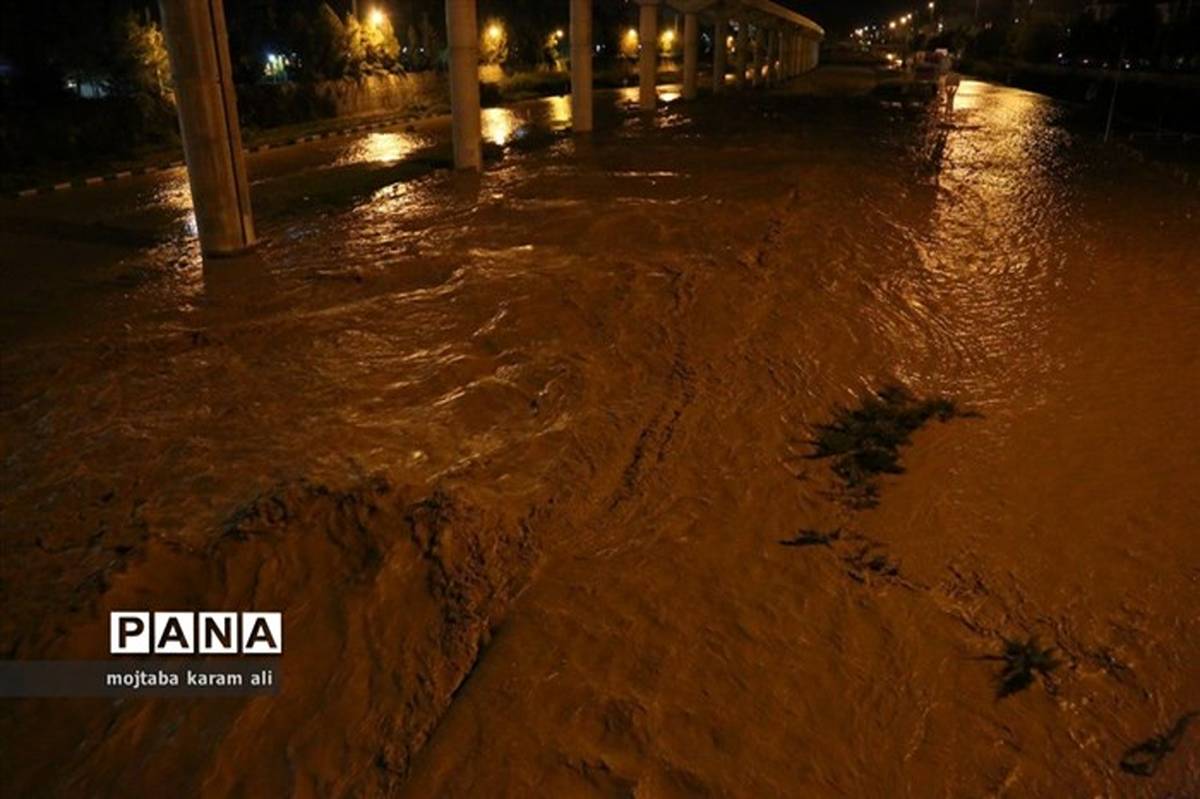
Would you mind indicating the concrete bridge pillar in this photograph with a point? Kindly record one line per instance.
(760, 56)
(741, 53)
(463, 35)
(720, 54)
(198, 47)
(581, 65)
(648, 59)
(767, 35)
(773, 57)
(691, 54)
(783, 55)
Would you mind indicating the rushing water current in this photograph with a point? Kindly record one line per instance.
(514, 453)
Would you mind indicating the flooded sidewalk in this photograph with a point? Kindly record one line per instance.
(530, 460)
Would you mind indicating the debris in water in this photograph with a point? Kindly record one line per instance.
(1021, 661)
(1144, 759)
(865, 442)
(868, 560)
(863, 557)
(810, 538)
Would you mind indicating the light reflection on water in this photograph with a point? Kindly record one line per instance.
(666, 93)
(628, 94)
(558, 112)
(500, 125)
(381, 147)
(175, 193)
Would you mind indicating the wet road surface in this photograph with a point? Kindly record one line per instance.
(514, 454)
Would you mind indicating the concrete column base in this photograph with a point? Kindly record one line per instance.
(691, 55)
(198, 47)
(581, 66)
(463, 34)
(720, 55)
(741, 53)
(760, 54)
(648, 58)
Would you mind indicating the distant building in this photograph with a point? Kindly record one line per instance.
(87, 86)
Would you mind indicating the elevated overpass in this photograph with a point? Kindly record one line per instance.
(768, 44)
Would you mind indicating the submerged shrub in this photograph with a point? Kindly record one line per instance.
(1023, 660)
(864, 442)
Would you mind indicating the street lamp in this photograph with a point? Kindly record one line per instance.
(376, 18)
(629, 43)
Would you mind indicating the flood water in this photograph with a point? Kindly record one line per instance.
(514, 454)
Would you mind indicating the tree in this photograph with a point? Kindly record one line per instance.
(1040, 41)
(140, 64)
(321, 44)
(1138, 27)
(356, 46)
(412, 46)
(383, 49)
(493, 42)
(431, 47)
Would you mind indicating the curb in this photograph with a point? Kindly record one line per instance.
(83, 183)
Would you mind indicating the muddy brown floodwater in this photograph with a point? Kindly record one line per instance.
(515, 456)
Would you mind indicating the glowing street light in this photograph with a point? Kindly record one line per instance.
(629, 43)
(494, 32)
(376, 18)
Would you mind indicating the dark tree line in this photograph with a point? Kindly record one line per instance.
(44, 44)
(1136, 33)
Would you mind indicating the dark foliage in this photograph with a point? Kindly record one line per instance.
(1023, 661)
(810, 538)
(870, 560)
(1145, 758)
(865, 442)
